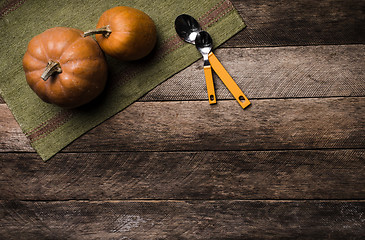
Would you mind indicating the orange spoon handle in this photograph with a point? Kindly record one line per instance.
(228, 81)
(210, 84)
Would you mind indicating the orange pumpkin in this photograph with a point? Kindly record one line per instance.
(125, 33)
(65, 68)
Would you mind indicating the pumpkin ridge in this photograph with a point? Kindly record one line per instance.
(34, 70)
(70, 45)
(80, 88)
(90, 61)
(38, 60)
(62, 88)
(111, 13)
(45, 52)
(96, 58)
(34, 57)
(45, 96)
(28, 74)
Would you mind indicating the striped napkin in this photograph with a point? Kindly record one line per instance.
(50, 128)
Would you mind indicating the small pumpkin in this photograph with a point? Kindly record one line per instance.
(65, 68)
(125, 33)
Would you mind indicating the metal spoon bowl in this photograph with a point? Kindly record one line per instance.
(204, 43)
(187, 28)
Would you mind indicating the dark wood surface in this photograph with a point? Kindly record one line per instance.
(171, 166)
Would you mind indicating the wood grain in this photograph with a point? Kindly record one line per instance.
(195, 126)
(11, 136)
(182, 220)
(171, 166)
(282, 72)
(225, 175)
(285, 22)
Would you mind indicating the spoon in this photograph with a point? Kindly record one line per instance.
(204, 44)
(188, 28)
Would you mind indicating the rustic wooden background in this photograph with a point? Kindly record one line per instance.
(171, 166)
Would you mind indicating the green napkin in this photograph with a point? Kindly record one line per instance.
(50, 128)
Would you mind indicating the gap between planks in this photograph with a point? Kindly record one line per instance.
(187, 200)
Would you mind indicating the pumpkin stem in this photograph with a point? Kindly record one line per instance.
(106, 31)
(52, 68)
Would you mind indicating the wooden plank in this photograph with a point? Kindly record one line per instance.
(303, 174)
(266, 125)
(312, 123)
(11, 136)
(285, 22)
(283, 72)
(182, 220)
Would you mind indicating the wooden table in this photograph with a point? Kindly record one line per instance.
(171, 166)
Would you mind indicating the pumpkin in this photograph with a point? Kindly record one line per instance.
(65, 68)
(125, 33)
